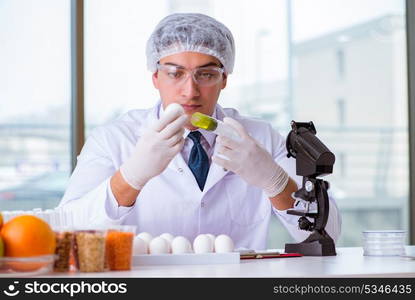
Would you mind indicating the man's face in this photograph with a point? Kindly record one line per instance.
(191, 95)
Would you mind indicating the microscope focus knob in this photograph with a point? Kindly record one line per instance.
(305, 224)
(309, 186)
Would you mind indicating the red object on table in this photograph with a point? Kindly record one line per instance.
(269, 255)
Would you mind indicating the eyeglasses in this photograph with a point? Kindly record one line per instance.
(204, 76)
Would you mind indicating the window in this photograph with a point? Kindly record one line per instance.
(371, 187)
(35, 103)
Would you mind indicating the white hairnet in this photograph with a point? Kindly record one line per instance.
(182, 32)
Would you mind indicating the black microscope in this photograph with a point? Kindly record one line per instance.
(313, 159)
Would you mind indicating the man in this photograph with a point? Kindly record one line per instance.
(162, 174)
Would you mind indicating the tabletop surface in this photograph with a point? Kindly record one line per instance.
(349, 262)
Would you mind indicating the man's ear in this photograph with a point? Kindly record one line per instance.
(224, 81)
(155, 79)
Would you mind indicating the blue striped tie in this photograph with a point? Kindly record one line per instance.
(198, 160)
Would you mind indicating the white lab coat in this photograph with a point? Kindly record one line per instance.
(172, 202)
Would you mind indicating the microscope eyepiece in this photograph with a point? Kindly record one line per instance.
(313, 157)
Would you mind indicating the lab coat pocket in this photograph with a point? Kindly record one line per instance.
(246, 204)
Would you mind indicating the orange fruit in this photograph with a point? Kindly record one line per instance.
(1, 220)
(28, 235)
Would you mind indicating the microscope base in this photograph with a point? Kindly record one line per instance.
(315, 248)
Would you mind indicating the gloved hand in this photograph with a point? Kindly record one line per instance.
(250, 160)
(158, 145)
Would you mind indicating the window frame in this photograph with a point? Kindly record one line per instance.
(77, 80)
(410, 43)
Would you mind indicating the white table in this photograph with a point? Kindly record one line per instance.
(349, 262)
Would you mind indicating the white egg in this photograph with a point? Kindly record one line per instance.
(202, 244)
(180, 245)
(145, 236)
(167, 236)
(223, 244)
(158, 245)
(212, 238)
(140, 246)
